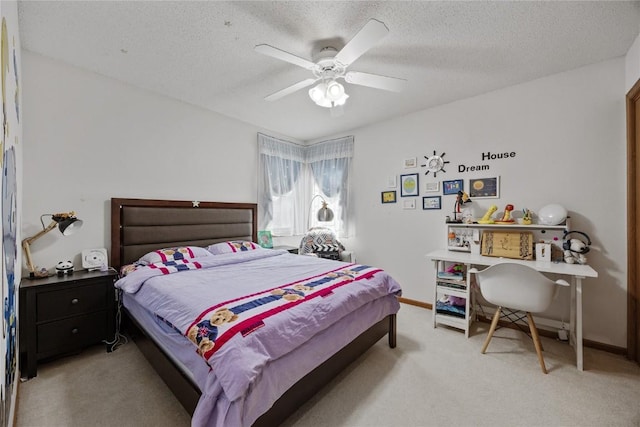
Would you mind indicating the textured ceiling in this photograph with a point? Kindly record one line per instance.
(202, 52)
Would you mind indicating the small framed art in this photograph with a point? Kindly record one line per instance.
(431, 202)
(409, 185)
(391, 181)
(388, 197)
(452, 187)
(432, 187)
(264, 239)
(409, 204)
(411, 162)
(484, 188)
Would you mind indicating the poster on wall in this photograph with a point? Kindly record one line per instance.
(484, 188)
(11, 134)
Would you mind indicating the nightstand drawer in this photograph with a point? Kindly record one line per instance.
(72, 333)
(67, 302)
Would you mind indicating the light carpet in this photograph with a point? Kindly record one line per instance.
(434, 377)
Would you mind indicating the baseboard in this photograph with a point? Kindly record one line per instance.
(605, 347)
(544, 332)
(416, 303)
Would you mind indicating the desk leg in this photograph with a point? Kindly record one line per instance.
(572, 314)
(436, 264)
(579, 355)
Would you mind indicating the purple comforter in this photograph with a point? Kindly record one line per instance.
(249, 311)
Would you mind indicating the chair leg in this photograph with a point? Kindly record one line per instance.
(494, 324)
(536, 341)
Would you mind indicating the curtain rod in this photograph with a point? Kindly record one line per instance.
(306, 145)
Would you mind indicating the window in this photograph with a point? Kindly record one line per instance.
(292, 175)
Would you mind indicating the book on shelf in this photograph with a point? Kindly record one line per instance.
(450, 275)
(451, 285)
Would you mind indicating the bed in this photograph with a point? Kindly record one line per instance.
(327, 329)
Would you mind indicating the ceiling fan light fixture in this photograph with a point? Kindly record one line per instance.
(335, 91)
(317, 93)
(341, 101)
(328, 95)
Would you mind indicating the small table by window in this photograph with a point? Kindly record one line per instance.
(291, 249)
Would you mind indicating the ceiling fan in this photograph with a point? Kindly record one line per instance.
(332, 64)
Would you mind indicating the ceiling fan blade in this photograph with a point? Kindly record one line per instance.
(392, 84)
(274, 52)
(288, 90)
(364, 40)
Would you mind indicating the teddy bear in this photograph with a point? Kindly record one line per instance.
(223, 315)
(576, 252)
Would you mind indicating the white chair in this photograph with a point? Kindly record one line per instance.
(513, 286)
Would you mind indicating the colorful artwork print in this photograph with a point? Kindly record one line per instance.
(11, 133)
(388, 197)
(452, 187)
(9, 249)
(484, 188)
(409, 185)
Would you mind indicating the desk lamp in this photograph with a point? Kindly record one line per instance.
(66, 222)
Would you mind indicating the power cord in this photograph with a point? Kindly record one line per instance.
(119, 338)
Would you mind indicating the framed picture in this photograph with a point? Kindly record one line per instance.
(388, 197)
(264, 239)
(410, 163)
(391, 181)
(452, 187)
(432, 187)
(409, 185)
(484, 188)
(409, 204)
(431, 202)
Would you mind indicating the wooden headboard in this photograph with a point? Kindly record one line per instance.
(142, 225)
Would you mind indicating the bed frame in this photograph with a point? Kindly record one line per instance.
(141, 225)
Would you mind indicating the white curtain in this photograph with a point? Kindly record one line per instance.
(291, 176)
(330, 167)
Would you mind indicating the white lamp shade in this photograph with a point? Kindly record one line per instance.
(553, 214)
(335, 91)
(317, 92)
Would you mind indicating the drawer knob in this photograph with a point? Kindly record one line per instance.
(74, 301)
(74, 331)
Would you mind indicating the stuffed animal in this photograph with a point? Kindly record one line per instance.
(64, 267)
(460, 302)
(575, 253)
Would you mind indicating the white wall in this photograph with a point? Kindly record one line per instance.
(567, 131)
(632, 63)
(88, 138)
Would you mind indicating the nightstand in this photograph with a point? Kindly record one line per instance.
(64, 314)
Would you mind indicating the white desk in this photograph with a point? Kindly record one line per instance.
(576, 271)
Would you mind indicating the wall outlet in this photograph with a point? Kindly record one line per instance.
(563, 335)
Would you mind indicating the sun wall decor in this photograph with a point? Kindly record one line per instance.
(435, 163)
